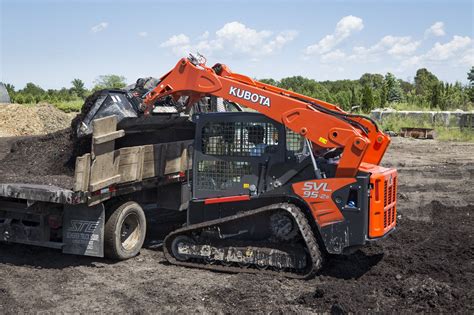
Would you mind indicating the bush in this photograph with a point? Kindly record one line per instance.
(71, 106)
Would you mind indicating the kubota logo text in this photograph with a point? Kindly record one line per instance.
(249, 96)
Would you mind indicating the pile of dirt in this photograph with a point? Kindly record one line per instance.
(46, 160)
(21, 120)
(421, 267)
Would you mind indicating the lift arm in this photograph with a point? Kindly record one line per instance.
(324, 124)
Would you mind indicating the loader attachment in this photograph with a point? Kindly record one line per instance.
(103, 103)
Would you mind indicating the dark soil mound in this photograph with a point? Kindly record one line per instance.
(421, 267)
(40, 160)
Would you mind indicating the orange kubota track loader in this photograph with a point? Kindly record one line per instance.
(273, 191)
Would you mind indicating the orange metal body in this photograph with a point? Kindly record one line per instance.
(318, 195)
(383, 199)
(362, 149)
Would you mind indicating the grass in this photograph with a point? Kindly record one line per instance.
(426, 108)
(443, 133)
(454, 134)
(71, 106)
(395, 123)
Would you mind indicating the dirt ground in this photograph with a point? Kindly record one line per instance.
(426, 265)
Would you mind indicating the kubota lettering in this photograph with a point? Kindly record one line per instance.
(249, 96)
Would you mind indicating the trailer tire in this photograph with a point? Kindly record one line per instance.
(124, 232)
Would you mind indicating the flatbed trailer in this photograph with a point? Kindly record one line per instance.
(102, 215)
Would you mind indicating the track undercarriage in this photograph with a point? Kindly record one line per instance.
(275, 239)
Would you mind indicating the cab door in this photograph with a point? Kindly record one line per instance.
(232, 153)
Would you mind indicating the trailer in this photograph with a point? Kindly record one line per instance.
(103, 214)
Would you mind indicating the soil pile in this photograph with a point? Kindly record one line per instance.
(21, 120)
(46, 160)
(421, 267)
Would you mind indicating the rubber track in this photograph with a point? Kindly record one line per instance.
(305, 229)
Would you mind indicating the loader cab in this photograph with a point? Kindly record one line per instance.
(240, 153)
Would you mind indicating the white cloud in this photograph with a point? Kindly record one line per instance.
(143, 34)
(99, 27)
(448, 50)
(393, 45)
(176, 40)
(179, 44)
(467, 59)
(458, 51)
(436, 29)
(344, 28)
(333, 56)
(233, 38)
(204, 35)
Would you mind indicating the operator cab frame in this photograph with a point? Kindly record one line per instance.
(241, 153)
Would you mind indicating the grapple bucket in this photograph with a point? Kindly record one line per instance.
(104, 103)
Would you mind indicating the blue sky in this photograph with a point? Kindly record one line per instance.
(52, 42)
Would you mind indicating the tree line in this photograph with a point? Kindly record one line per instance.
(32, 93)
(375, 90)
(368, 92)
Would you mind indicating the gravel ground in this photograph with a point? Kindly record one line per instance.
(424, 266)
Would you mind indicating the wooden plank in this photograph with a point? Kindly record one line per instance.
(165, 158)
(109, 136)
(94, 186)
(128, 173)
(82, 172)
(176, 155)
(148, 169)
(149, 153)
(105, 160)
(131, 163)
(105, 125)
(173, 166)
(140, 162)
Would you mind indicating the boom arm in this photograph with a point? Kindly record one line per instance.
(324, 124)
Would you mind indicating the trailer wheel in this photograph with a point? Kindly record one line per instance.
(125, 229)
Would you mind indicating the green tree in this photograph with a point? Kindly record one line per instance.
(29, 99)
(10, 88)
(375, 81)
(394, 91)
(18, 98)
(269, 81)
(110, 81)
(78, 88)
(32, 89)
(425, 82)
(343, 99)
(405, 86)
(383, 95)
(470, 77)
(367, 99)
(436, 95)
(354, 98)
